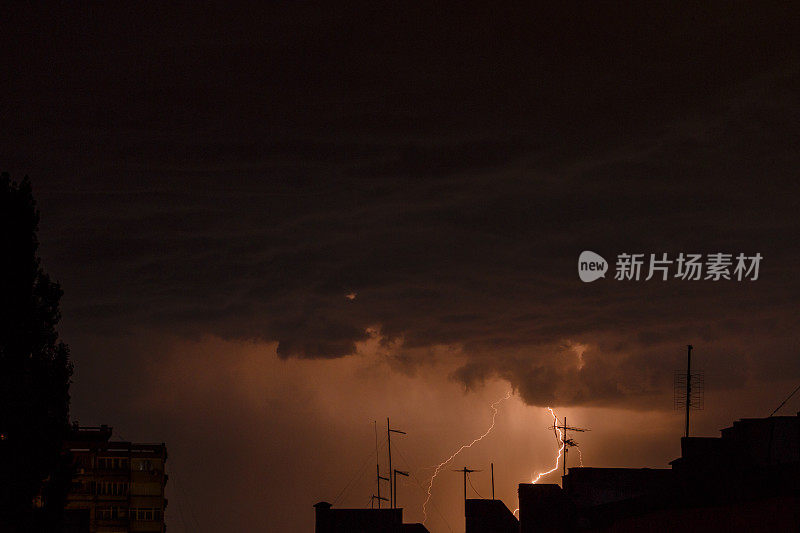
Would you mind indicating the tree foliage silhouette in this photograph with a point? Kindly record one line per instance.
(35, 368)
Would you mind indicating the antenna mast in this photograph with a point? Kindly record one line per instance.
(688, 385)
(389, 432)
(379, 501)
(492, 466)
(377, 466)
(395, 472)
(568, 443)
(689, 389)
(380, 478)
(465, 471)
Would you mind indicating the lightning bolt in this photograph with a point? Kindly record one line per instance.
(559, 438)
(559, 453)
(447, 461)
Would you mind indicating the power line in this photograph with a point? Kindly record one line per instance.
(422, 488)
(786, 400)
(180, 507)
(466, 471)
(357, 475)
(180, 487)
(474, 489)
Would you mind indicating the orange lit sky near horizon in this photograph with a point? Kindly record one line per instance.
(256, 422)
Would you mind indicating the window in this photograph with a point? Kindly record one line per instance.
(108, 488)
(144, 465)
(147, 489)
(146, 514)
(113, 463)
(111, 513)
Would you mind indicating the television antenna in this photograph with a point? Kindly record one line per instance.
(567, 442)
(689, 389)
(389, 432)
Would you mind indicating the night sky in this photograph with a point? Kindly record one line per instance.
(276, 226)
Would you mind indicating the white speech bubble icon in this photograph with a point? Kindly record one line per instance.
(591, 266)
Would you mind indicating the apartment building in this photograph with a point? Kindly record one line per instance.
(118, 484)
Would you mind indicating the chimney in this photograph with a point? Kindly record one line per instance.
(323, 515)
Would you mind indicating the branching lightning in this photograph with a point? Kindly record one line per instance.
(560, 440)
(559, 453)
(447, 461)
(562, 443)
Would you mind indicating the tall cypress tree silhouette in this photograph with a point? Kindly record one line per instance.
(35, 370)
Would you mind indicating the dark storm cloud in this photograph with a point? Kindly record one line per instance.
(239, 174)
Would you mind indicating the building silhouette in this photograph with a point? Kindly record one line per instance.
(117, 486)
(489, 516)
(329, 520)
(748, 479)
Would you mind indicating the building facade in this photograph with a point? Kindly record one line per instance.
(118, 484)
